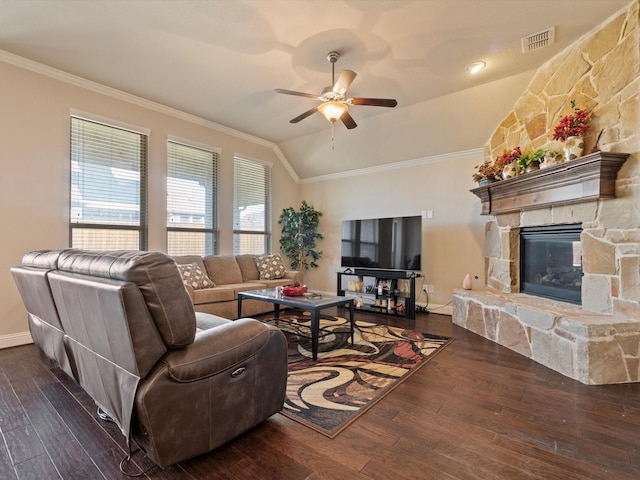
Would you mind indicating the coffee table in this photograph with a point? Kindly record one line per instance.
(312, 304)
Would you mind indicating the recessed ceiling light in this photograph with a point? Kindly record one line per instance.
(475, 67)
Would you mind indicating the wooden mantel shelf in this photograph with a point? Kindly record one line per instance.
(586, 178)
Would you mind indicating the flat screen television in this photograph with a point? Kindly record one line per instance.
(387, 243)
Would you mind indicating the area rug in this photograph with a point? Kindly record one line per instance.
(330, 393)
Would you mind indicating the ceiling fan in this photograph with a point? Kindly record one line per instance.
(335, 104)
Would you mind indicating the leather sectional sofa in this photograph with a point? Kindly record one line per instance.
(178, 383)
(232, 274)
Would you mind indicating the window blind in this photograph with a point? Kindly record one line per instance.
(108, 179)
(251, 207)
(192, 200)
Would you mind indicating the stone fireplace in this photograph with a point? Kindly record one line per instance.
(595, 340)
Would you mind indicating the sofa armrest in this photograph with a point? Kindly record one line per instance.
(295, 276)
(218, 349)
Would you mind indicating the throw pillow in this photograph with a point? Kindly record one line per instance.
(270, 267)
(194, 277)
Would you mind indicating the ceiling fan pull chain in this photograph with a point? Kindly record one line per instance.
(332, 138)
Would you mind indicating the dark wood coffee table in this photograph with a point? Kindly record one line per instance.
(275, 296)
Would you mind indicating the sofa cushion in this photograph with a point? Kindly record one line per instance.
(223, 269)
(205, 321)
(270, 267)
(212, 295)
(277, 282)
(186, 259)
(245, 287)
(194, 277)
(247, 263)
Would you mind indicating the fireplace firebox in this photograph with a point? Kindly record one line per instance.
(551, 262)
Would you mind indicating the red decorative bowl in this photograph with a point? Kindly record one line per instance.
(291, 291)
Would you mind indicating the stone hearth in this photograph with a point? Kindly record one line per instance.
(596, 343)
(588, 347)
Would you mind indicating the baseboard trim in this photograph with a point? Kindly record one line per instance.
(15, 340)
(446, 309)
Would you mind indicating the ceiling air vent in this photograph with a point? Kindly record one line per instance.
(535, 41)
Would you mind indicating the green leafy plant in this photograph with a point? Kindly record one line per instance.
(299, 236)
(529, 158)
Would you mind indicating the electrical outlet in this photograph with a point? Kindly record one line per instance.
(427, 289)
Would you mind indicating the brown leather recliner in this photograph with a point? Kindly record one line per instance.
(44, 323)
(177, 382)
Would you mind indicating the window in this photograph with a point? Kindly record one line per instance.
(192, 200)
(251, 207)
(108, 178)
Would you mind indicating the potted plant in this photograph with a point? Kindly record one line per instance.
(299, 236)
(507, 162)
(571, 129)
(531, 161)
(486, 172)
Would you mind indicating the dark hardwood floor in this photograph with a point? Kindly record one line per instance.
(474, 411)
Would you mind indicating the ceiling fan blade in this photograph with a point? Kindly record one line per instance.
(304, 115)
(348, 120)
(299, 94)
(344, 80)
(374, 102)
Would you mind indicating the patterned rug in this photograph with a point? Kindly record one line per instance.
(330, 393)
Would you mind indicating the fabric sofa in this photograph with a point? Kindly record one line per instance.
(178, 383)
(232, 274)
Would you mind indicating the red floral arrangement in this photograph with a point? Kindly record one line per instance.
(574, 125)
(508, 157)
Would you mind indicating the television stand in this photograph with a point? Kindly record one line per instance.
(389, 292)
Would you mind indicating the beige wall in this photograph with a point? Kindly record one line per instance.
(34, 159)
(451, 240)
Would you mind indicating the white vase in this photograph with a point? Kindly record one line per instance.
(573, 148)
(551, 159)
(510, 170)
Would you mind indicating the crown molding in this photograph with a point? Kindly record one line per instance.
(396, 165)
(77, 81)
(286, 164)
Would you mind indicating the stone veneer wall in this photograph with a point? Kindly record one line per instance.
(601, 72)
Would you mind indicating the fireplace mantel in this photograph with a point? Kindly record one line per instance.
(586, 178)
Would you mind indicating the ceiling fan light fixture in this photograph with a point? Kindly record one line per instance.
(332, 110)
(475, 67)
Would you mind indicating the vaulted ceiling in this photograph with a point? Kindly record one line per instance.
(222, 59)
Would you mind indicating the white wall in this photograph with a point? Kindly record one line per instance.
(34, 160)
(451, 241)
